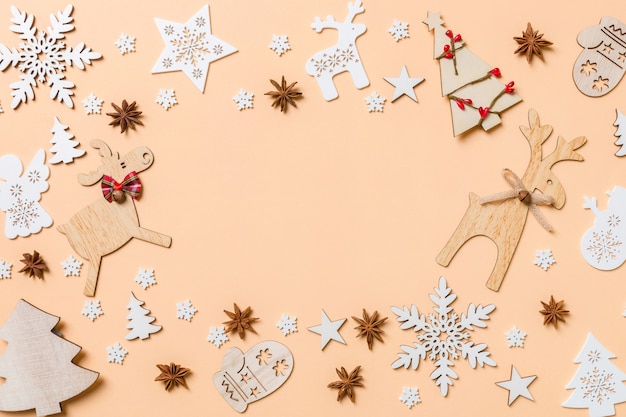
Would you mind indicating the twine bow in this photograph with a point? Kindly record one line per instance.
(520, 192)
(130, 185)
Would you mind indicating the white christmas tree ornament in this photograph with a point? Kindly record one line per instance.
(63, 148)
(620, 123)
(140, 320)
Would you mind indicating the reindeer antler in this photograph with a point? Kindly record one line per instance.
(535, 134)
(93, 177)
(354, 9)
(319, 25)
(566, 151)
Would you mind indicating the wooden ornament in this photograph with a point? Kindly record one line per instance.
(246, 378)
(37, 364)
(503, 221)
(104, 227)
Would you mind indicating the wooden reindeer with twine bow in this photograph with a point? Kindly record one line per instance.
(110, 222)
(341, 57)
(501, 217)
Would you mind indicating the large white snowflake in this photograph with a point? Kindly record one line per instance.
(71, 266)
(243, 99)
(166, 98)
(5, 269)
(515, 337)
(605, 246)
(42, 57)
(92, 309)
(375, 102)
(544, 259)
(185, 310)
(125, 43)
(145, 278)
(92, 104)
(280, 44)
(217, 336)
(116, 353)
(287, 324)
(410, 396)
(399, 30)
(443, 336)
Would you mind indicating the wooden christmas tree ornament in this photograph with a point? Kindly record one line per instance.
(111, 221)
(37, 364)
(501, 217)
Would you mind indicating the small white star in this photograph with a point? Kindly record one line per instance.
(517, 385)
(433, 20)
(329, 330)
(404, 85)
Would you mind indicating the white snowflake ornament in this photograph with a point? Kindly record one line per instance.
(92, 104)
(166, 98)
(43, 56)
(116, 354)
(243, 99)
(375, 102)
(217, 336)
(1, 109)
(92, 309)
(287, 324)
(5, 269)
(410, 396)
(185, 310)
(515, 337)
(145, 278)
(399, 30)
(280, 44)
(544, 259)
(71, 266)
(125, 43)
(444, 336)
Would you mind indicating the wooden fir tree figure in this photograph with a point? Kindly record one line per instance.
(37, 364)
(140, 320)
(476, 97)
(598, 383)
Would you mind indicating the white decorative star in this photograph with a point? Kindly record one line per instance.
(190, 47)
(433, 20)
(517, 385)
(329, 330)
(404, 85)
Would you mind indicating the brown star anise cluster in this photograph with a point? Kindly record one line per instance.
(172, 375)
(240, 321)
(553, 312)
(369, 327)
(34, 265)
(531, 43)
(126, 116)
(284, 94)
(347, 382)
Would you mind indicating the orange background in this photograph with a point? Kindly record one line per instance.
(327, 206)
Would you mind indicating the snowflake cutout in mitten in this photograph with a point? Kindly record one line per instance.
(544, 259)
(92, 104)
(280, 44)
(243, 99)
(116, 354)
(399, 30)
(92, 309)
(71, 266)
(410, 396)
(166, 98)
(375, 102)
(444, 336)
(185, 310)
(42, 57)
(287, 324)
(145, 278)
(5, 269)
(217, 336)
(515, 337)
(125, 43)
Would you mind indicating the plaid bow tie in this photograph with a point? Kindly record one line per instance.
(130, 185)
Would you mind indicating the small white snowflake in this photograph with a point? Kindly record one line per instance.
(185, 310)
(375, 102)
(217, 336)
(145, 278)
(410, 396)
(1, 109)
(280, 44)
(125, 43)
(71, 266)
(544, 259)
(287, 324)
(116, 353)
(92, 309)
(243, 99)
(5, 269)
(515, 337)
(166, 98)
(399, 30)
(92, 104)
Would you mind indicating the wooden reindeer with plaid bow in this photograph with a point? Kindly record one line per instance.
(502, 216)
(110, 222)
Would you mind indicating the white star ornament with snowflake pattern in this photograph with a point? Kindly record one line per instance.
(190, 47)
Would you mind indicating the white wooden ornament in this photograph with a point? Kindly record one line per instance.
(602, 246)
(620, 123)
(190, 47)
(329, 330)
(602, 63)
(597, 383)
(37, 364)
(64, 147)
(404, 85)
(341, 57)
(517, 386)
(248, 377)
(139, 320)
(20, 195)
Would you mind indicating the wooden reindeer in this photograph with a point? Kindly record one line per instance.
(503, 216)
(111, 221)
(342, 57)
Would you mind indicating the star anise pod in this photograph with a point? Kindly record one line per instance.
(284, 94)
(172, 375)
(369, 326)
(126, 116)
(34, 265)
(347, 382)
(553, 312)
(531, 43)
(240, 321)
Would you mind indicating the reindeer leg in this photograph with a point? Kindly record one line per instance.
(464, 231)
(359, 77)
(329, 91)
(505, 255)
(92, 277)
(152, 237)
